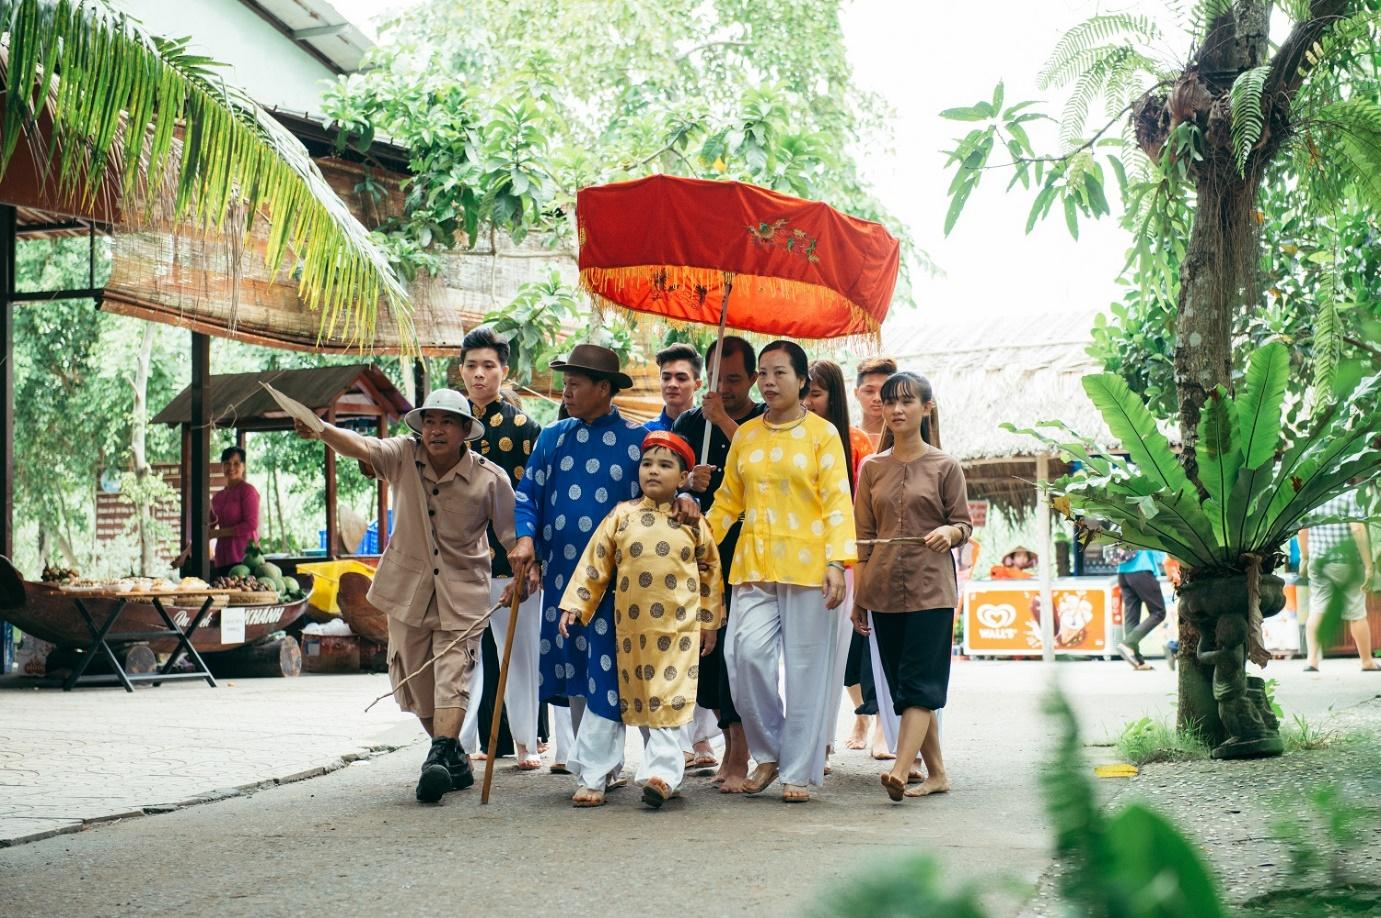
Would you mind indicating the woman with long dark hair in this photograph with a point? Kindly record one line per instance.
(827, 397)
(912, 498)
(787, 477)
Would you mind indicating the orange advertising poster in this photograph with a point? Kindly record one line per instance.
(1004, 619)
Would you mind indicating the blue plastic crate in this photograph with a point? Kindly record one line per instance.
(369, 545)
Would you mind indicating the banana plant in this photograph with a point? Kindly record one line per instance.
(1262, 471)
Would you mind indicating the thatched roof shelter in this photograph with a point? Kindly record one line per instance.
(1020, 369)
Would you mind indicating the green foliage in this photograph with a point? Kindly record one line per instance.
(1262, 478)
(1323, 839)
(1134, 862)
(116, 96)
(1320, 193)
(1144, 741)
(912, 887)
(1248, 120)
(536, 323)
(508, 107)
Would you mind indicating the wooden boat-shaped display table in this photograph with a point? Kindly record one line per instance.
(52, 614)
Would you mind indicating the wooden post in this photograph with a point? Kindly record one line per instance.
(184, 489)
(199, 487)
(419, 381)
(1043, 539)
(8, 242)
(240, 438)
(497, 718)
(383, 494)
(330, 489)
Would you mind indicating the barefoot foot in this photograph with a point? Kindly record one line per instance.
(895, 787)
(935, 784)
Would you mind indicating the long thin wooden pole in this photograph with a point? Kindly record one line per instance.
(1045, 562)
(497, 716)
(718, 357)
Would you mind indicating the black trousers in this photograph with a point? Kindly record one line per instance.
(915, 649)
(712, 692)
(1140, 587)
(858, 670)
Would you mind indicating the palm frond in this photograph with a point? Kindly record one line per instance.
(117, 98)
(1207, 12)
(1087, 42)
(1248, 118)
(1219, 458)
(1327, 343)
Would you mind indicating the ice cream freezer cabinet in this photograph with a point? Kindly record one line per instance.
(1002, 617)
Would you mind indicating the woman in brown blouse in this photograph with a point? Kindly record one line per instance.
(913, 496)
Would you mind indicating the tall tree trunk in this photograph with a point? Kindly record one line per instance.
(143, 504)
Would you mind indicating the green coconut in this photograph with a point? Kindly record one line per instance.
(240, 570)
(290, 585)
(268, 570)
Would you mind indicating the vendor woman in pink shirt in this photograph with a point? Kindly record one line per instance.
(234, 511)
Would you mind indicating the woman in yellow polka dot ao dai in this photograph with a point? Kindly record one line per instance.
(786, 476)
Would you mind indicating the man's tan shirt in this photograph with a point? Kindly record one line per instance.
(439, 545)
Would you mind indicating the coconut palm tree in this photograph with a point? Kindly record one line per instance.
(114, 110)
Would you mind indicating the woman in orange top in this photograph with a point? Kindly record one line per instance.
(828, 398)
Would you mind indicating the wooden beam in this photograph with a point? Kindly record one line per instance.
(383, 495)
(330, 490)
(8, 224)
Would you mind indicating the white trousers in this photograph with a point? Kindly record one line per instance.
(841, 653)
(600, 746)
(776, 625)
(703, 727)
(520, 695)
(562, 733)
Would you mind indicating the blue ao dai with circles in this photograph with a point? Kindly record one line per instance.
(578, 472)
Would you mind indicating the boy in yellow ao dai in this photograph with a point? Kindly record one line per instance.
(667, 609)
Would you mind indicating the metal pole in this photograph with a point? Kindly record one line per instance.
(718, 357)
(199, 488)
(8, 244)
(1043, 539)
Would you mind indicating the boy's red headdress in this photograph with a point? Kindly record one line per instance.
(673, 442)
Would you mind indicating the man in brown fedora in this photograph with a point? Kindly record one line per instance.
(580, 468)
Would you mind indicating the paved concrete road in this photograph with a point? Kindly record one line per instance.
(354, 839)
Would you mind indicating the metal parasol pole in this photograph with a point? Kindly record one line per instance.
(718, 357)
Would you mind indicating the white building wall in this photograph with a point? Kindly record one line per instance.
(264, 62)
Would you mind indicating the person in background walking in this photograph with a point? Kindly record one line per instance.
(680, 367)
(787, 476)
(509, 436)
(1137, 579)
(914, 496)
(872, 373)
(827, 399)
(719, 417)
(1340, 565)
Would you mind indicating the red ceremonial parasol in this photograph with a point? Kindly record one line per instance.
(679, 247)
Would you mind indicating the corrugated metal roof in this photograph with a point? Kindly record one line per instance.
(238, 399)
(318, 26)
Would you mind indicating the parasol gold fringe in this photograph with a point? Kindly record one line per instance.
(808, 295)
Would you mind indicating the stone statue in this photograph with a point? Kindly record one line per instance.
(1242, 706)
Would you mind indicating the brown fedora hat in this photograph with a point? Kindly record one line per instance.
(599, 362)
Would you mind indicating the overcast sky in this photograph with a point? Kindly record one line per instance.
(923, 58)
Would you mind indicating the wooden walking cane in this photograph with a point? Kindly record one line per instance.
(497, 716)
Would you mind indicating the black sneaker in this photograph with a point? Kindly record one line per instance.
(436, 775)
(458, 764)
